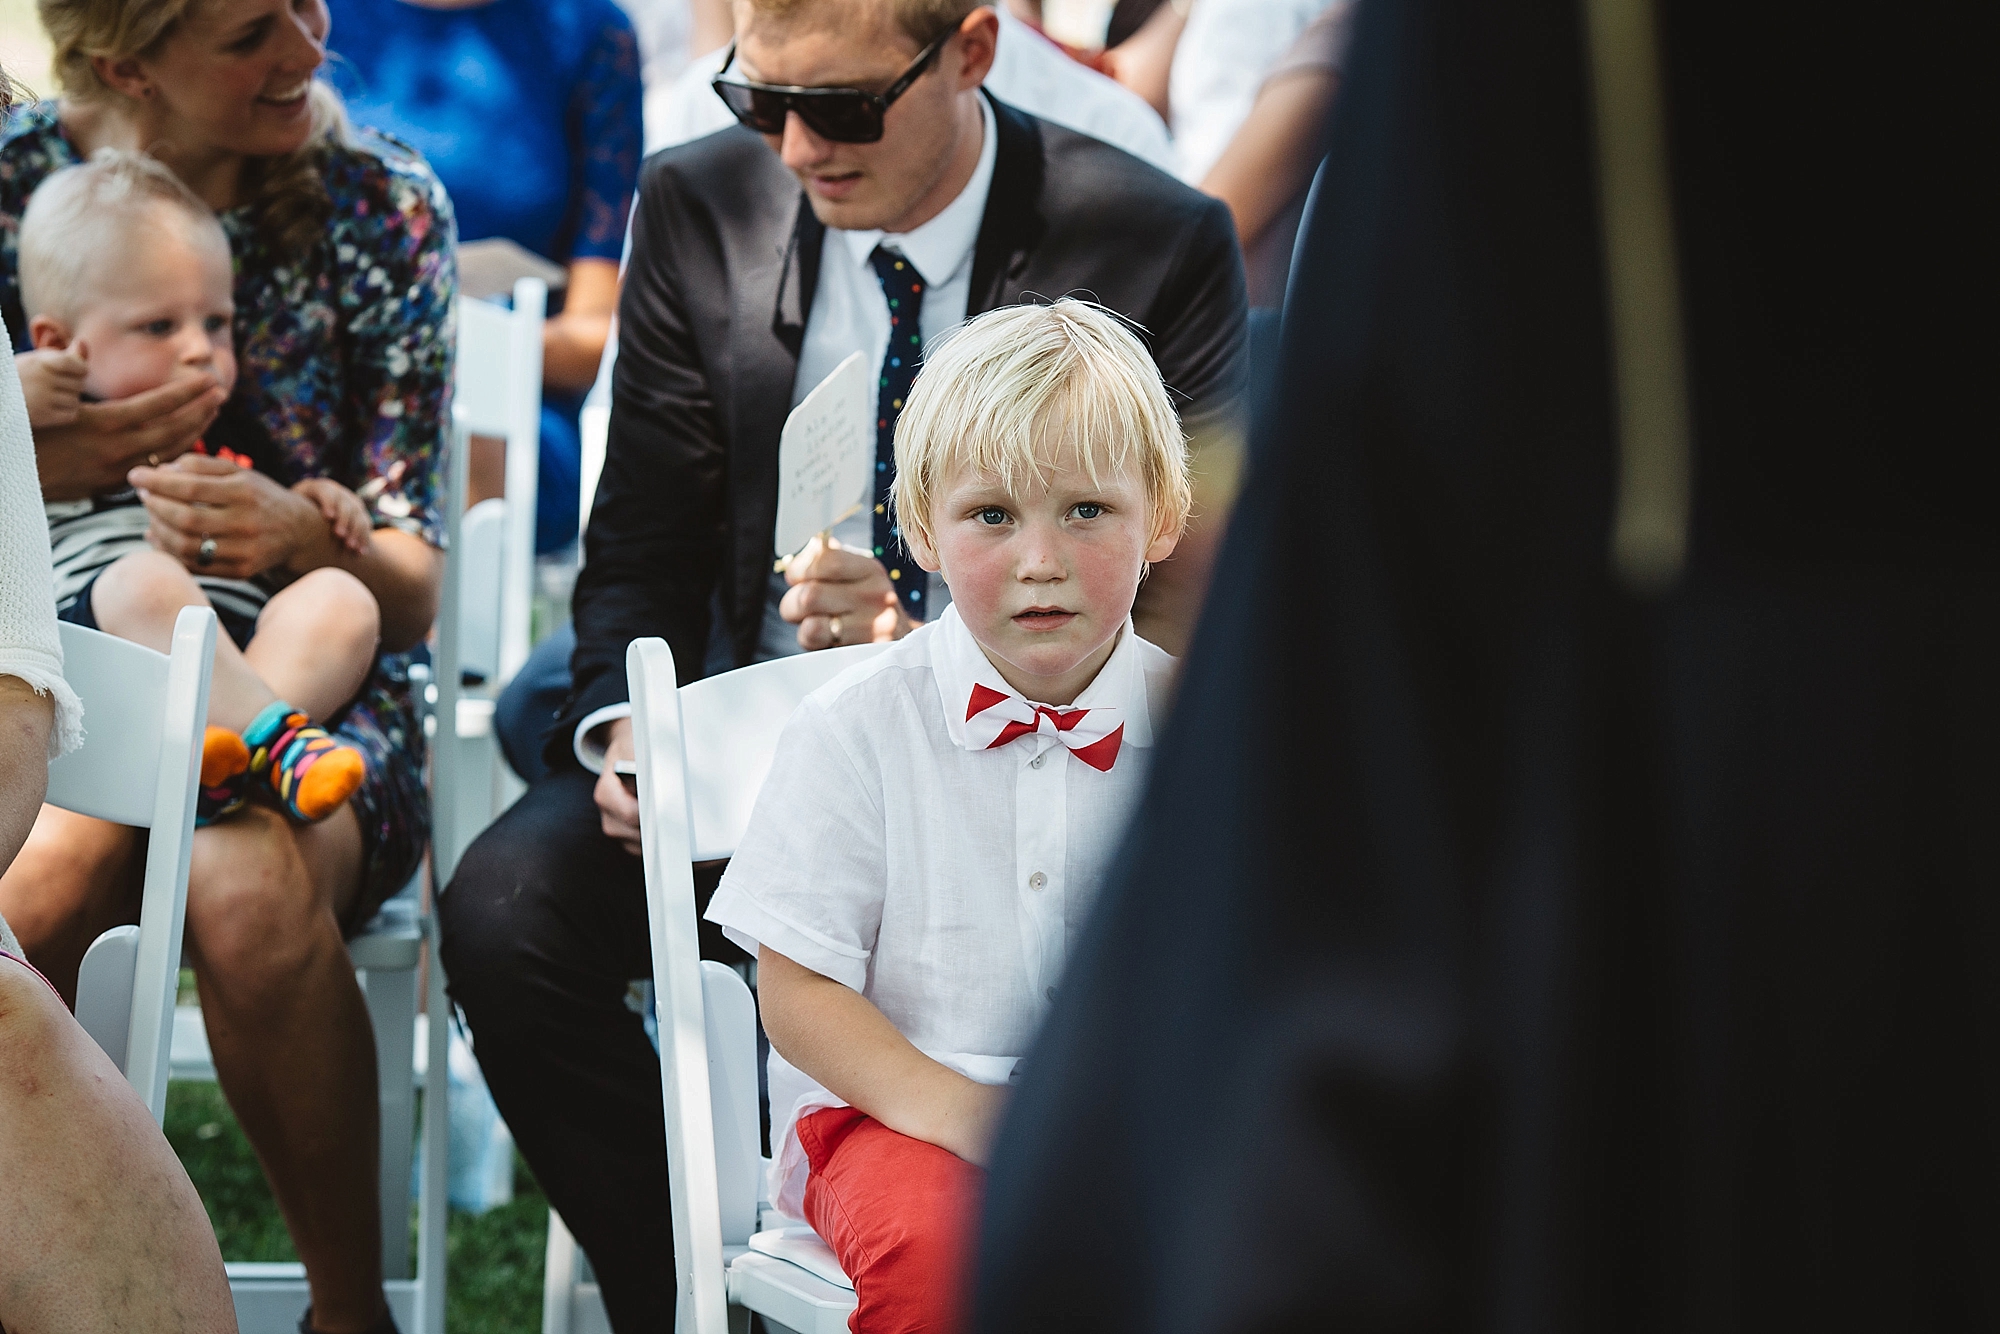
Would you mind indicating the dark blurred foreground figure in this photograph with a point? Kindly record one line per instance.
(1501, 948)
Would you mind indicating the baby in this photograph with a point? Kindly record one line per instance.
(126, 281)
(938, 819)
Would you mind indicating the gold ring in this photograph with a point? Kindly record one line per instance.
(833, 628)
(152, 460)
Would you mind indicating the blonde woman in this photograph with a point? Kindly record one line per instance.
(343, 250)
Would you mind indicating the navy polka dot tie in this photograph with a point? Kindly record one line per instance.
(905, 289)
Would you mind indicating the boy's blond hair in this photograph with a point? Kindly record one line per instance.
(1014, 390)
(76, 217)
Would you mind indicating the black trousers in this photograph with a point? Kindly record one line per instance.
(544, 927)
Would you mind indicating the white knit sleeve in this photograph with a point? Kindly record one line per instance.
(29, 647)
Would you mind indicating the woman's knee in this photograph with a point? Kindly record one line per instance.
(142, 591)
(253, 912)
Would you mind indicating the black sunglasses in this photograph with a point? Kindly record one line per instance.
(843, 115)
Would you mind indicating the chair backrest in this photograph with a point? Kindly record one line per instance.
(497, 391)
(702, 754)
(478, 558)
(139, 765)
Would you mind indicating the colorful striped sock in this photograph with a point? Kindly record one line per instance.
(225, 775)
(309, 772)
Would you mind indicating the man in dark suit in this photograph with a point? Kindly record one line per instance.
(878, 210)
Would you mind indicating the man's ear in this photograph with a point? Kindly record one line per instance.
(978, 37)
(48, 333)
(123, 76)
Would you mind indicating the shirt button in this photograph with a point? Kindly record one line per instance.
(1035, 763)
(1037, 880)
(1050, 993)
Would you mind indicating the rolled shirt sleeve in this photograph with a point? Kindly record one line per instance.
(809, 876)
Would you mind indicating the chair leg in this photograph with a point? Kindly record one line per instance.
(558, 1277)
(434, 1204)
(392, 1008)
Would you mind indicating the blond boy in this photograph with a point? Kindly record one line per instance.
(938, 819)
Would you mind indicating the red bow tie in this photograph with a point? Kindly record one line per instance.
(1092, 735)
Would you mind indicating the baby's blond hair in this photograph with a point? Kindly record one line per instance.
(76, 217)
(1013, 391)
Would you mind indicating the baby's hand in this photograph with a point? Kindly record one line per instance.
(342, 509)
(52, 384)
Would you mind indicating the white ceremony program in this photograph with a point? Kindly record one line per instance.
(826, 455)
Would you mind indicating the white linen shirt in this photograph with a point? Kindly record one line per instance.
(947, 885)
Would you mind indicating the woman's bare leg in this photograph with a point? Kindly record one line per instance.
(291, 1037)
(102, 1230)
(74, 879)
(314, 645)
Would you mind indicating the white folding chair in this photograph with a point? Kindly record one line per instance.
(140, 765)
(490, 573)
(703, 752)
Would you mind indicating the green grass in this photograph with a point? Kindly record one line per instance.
(495, 1260)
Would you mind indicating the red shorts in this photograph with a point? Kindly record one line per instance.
(901, 1215)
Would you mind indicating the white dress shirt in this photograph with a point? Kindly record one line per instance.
(850, 312)
(946, 884)
(1029, 71)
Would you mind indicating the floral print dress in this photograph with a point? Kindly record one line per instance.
(345, 357)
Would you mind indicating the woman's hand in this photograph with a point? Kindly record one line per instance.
(573, 341)
(95, 451)
(51, 385)
(216, 518)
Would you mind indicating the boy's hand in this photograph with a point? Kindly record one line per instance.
(52, 384)
(840, 596)
(617, 804)
(974, 1122)
(344, 513)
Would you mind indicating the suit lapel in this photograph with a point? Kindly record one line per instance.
(1013, 225)
(772, 302)
(776, 274)
(798, 279)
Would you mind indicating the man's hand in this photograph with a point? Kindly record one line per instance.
(52, 385)
(94, 453)
(617, 804)
(342, 509)
(840, 596)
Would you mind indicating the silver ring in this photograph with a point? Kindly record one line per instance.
(833, 628)
(204, 555)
